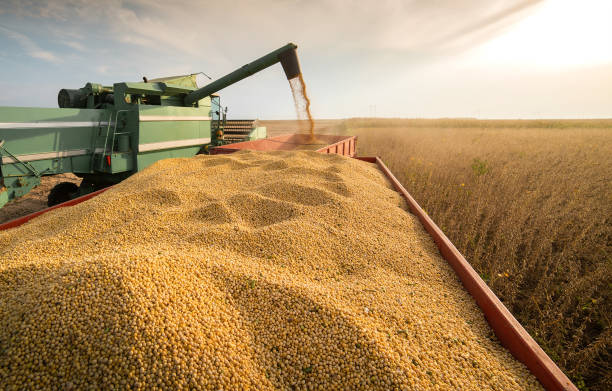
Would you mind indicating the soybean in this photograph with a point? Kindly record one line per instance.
(255, 270)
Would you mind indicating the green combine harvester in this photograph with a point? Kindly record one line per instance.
(104, 134)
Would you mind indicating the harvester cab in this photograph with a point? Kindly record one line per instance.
(105, 133)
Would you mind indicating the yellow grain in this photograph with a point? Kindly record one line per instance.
(248, 271)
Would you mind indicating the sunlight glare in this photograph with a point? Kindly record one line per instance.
(560, 34)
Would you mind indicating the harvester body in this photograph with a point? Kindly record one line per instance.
(106, 133)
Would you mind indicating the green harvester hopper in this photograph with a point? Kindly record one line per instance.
(104, 134)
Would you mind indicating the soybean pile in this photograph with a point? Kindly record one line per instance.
(275, 270)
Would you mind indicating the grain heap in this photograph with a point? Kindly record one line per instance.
(247, 271)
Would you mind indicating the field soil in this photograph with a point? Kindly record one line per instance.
(36, 199)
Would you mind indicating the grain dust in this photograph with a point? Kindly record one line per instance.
(302, 102)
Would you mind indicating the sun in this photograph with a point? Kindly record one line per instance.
(559, 34)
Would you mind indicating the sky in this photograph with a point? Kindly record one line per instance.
(385, 58)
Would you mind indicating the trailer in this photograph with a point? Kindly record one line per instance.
(508, 330)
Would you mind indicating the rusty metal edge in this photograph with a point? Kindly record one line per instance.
(348, 140)
(509, 331)
(227, 149)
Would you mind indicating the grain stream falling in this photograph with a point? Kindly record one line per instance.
(278, 270)
(302, 102)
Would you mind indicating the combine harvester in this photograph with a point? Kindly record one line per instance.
(131, 125)
(104, 134)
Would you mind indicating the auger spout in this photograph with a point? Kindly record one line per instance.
(286, 55)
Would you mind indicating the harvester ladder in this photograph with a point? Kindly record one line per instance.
(219, 125)
(112, 144)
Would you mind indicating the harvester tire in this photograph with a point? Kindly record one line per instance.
(62, 192)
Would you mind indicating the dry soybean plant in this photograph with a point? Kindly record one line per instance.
(529, 203)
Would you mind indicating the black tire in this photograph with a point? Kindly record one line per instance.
(62, 192)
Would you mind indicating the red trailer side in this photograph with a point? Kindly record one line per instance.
(325, 143)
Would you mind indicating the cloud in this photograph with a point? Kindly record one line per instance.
(39, 9)
(201, 28)
(102, 69)
(400, 54)
(487, 22)
(30, 47)
(74, 45)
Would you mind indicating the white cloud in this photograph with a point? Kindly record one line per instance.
(402, 55)
(197, 28)
(74, 45)
(30, 47)
(102, 69)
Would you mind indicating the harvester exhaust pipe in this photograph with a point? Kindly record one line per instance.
(286, 55)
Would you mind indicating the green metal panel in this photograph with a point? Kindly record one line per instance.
(121, 162)
(166, 131)
(47, 166)
(147, 158)
(4, 196)
(44, 141)
(165, 123)
(49, 139)
(158, 131)
(15, 187)
(40, 114)
(160, 88)
(181, 80)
